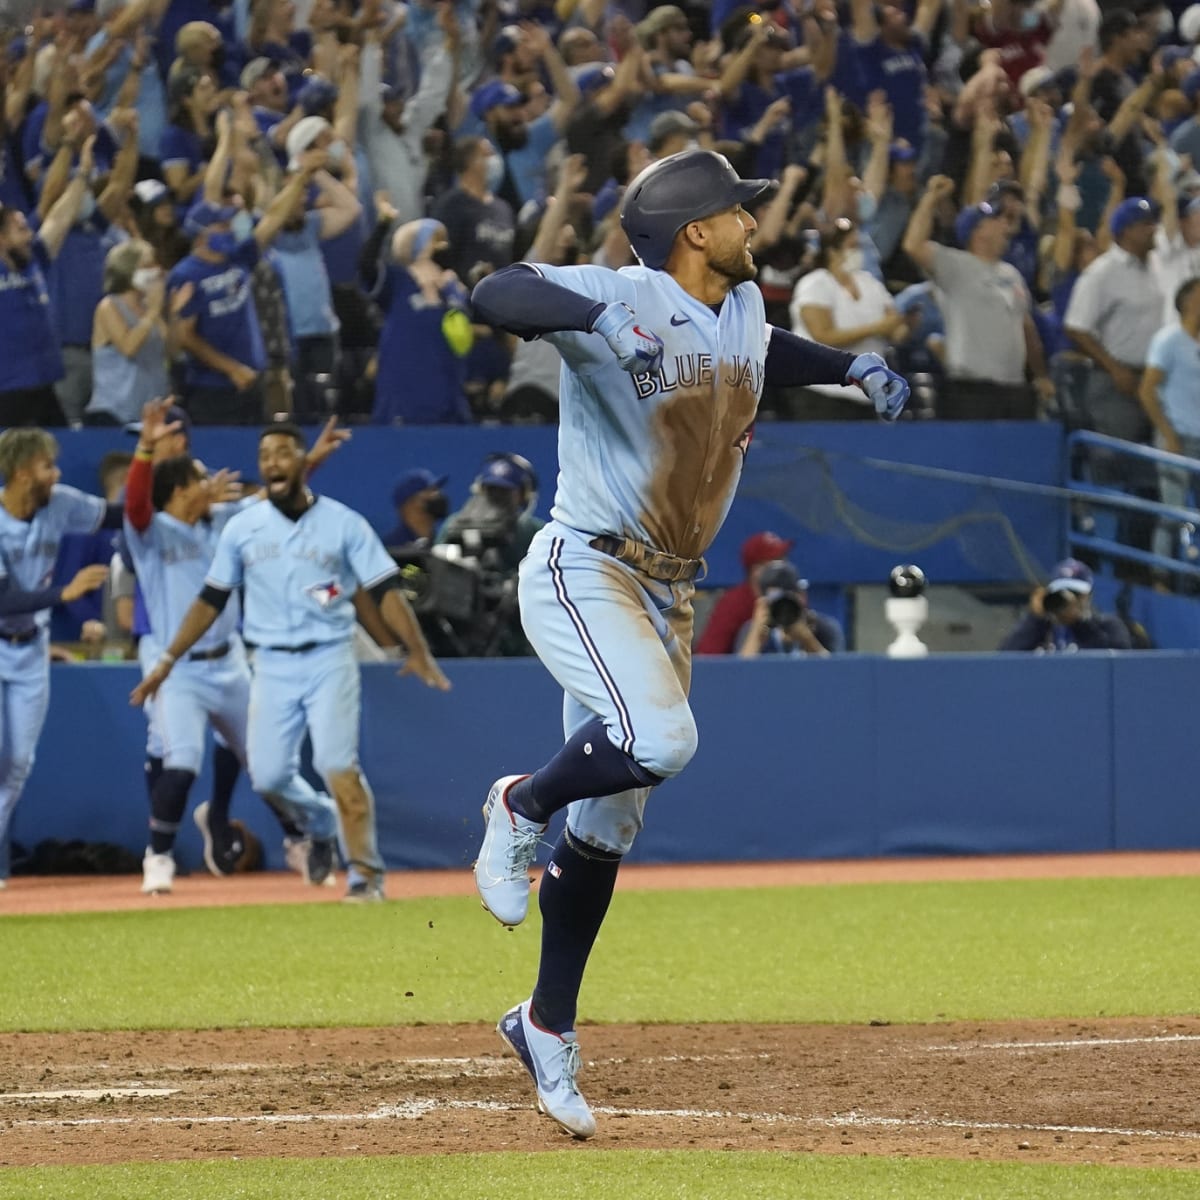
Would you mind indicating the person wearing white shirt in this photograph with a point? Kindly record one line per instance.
(843, 305)
(1170, 394)
(1176, 255)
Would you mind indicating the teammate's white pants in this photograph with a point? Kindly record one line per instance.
(620, 645)
(195, 694)
(320, 691)
(24, 698)
(217, 691)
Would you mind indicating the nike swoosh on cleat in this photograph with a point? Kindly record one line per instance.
(680, 320)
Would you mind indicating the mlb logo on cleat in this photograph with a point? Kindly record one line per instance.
(554, 869)
(324, 593)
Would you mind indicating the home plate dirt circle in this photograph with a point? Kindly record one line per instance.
(1105, 1091)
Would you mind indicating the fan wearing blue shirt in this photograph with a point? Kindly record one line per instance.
(218, 324)
(524, 145)
(299, 559)
(891, 53)
(30, 358)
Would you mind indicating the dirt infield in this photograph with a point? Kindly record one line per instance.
(1110, 1091)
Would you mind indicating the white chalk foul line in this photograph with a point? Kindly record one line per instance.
(1067, 1043)
(416, 1109)
(137, 1093)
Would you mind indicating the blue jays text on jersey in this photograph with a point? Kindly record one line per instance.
(657, 457)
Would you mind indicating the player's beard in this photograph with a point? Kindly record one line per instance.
(735, 263)
(290, 501)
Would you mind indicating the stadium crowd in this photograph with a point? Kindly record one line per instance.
(269, 207)
(273, 209)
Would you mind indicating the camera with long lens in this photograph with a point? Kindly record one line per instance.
(1055, 603)
(783, 589)
(784, 610)
(466, 589)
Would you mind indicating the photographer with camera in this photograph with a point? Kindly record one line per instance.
(783, 623)
(1060, 617)
(491, 534)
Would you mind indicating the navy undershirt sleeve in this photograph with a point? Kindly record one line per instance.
(796, 362)
(14, 601)
(114, 517)
(521, 301)
(214, 597)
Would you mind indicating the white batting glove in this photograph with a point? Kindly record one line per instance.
(639, 351)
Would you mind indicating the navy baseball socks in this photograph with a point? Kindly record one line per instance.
(167, 802)
(518, 807)
(573, 896)
(588, 765)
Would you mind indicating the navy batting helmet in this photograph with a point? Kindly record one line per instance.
(669, 193)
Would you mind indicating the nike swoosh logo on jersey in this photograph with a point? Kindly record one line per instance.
(680, 320)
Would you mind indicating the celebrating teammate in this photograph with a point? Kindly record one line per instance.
(35, 511)
(300, 559)
(663, 367)
(171, 528)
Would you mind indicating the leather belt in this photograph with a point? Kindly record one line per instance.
(303, 648)
(210, 655)
(658, 564)
(21, 639)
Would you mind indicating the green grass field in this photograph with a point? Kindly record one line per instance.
(848, 954)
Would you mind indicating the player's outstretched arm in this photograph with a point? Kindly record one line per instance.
(796, 362)
(196, 623)
(521, 300)
(402, 621)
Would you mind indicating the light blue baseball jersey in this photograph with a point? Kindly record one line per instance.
(29, 548)
(171, 561)
(299, 576)
(657, 457)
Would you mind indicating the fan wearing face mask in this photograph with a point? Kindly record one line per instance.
(129, 337)
(842, 305)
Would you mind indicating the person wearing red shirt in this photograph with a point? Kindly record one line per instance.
(736, 606)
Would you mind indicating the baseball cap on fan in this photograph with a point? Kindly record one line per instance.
(414, 481)
(764, 547)
(1071, 575)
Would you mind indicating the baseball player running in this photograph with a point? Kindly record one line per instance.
(299, 560)
(663, 367)
(171, 529)
(35, 511)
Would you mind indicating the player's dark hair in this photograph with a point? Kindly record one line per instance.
(169, 476)
(111, 464)
(286, 429)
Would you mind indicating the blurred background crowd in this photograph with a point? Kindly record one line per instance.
(268, 207)
(282, 207)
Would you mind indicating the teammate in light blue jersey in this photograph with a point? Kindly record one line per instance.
(300, 559)
(171, 529)
(663, 368)
(35, 512)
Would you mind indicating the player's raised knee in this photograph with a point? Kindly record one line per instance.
(671, 748)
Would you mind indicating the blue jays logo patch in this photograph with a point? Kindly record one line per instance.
(325, 592)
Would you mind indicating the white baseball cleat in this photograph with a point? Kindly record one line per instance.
(158, 873)
(509, 845)
(553, 1061)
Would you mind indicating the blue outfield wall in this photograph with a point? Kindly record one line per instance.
(795, 478)
(854, 756)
